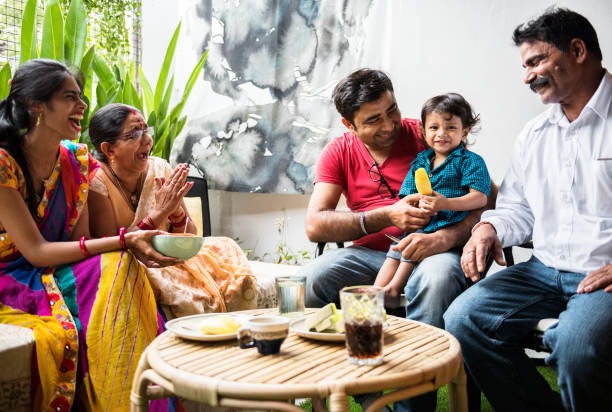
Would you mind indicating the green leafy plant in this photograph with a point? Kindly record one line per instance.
(110, 20)
(116, 86)
(168, 123)
(283, 253)
(64, 39)
(5, 76)
(249, 253)
(11, 13)
(112, 25)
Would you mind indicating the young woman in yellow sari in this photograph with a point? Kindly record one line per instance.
(136, 190)
(91, 310)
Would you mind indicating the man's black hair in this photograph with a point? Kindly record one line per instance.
(558, 27)
(362, 86)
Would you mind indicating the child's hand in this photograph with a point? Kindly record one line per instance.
(433, 203)
(392, 297)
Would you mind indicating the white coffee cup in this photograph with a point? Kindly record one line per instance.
(267, 333)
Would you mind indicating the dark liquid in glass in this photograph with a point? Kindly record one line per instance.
(364, 339)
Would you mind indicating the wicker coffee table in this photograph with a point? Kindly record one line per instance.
(418, 358)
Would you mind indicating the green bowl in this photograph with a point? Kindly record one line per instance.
(182, 247)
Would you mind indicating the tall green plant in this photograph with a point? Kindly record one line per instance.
(116, 86)
(52, 46)
(5, 76)
(28, 32)
(110, 20)
(63, 39)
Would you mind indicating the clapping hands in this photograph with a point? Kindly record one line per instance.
(169, 192)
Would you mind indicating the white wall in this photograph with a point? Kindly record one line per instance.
(427, 48)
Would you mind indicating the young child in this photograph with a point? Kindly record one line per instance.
(459, 179)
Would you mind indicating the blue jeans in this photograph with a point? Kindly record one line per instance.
(493, 316)
(434, 284)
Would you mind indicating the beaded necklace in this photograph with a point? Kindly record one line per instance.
(131, 197)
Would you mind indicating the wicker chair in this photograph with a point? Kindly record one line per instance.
(200, 190)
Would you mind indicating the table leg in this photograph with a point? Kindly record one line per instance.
(457, 392)
(338, 402)
(138, 397)
(318, 405)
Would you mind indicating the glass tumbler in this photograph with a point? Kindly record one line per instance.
(363, 309)
(290, 291)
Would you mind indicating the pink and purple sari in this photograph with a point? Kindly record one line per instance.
(92, 319)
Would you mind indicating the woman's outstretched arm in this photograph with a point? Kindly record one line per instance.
(20, 226)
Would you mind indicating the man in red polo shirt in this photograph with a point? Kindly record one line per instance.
(368, 165)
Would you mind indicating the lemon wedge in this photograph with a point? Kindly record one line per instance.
(219, 325)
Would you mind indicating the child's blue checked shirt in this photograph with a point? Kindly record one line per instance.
(460, 171)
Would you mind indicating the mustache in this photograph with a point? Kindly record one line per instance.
(537, 82)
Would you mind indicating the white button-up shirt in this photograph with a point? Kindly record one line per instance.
(558, 190)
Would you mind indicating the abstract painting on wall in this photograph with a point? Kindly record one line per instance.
(267, 111)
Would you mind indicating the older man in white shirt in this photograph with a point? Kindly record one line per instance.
(557, 193)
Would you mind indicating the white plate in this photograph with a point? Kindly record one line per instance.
(299, 327)
(187, 327)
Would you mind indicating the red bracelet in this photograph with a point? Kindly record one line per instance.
(147, 223)
(151, 222)
(181, 223)
(173, 217)
(122, 238)
(143, 226)
(82, 246)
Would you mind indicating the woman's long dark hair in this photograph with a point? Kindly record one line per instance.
(105, 126)
(34, 81)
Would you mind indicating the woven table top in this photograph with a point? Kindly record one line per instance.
(413, 353)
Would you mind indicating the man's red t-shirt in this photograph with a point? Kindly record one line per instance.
(345, 161)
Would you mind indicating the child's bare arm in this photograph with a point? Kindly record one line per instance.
(473, 200)
(386, 272)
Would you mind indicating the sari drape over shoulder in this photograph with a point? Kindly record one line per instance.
(92, 319)
(217, 279)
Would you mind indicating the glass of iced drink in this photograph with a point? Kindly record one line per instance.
(363, 309)
(290, 291)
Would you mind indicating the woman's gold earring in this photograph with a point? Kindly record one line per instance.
(38, 121)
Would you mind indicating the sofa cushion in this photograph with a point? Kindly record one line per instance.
(266, 273)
